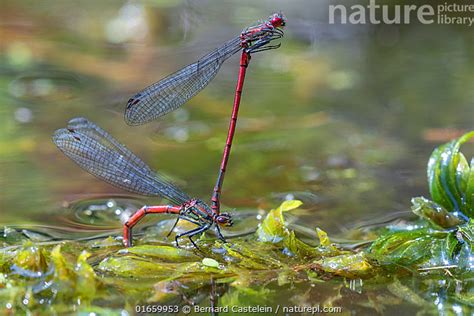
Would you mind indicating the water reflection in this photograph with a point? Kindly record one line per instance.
(45, 85)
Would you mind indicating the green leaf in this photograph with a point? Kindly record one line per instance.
(31, 258)
(323, 237)
(434, 213)
(252, 256)
(167, 253)
(107, 242)
(402, 248)
(12, 236)
(449, 177)
(64, 276)
(300, 248)
(465, 238)
(62, 269)
(129, 266)
(347, 265)
(462, 173)
(465, 297)
(273, 228)
(469, 193)
(86, 278)
(209, 262)
(326, 247)
(290, 205)
(452, 245)
(425, 248)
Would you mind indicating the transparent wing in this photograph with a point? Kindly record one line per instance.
(94, 150)
(176, 89)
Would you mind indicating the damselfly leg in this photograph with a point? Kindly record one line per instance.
(190, 234)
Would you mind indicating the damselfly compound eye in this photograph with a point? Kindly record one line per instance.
(224, 219)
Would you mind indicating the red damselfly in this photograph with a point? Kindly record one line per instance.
(94, 150)
(176, 89)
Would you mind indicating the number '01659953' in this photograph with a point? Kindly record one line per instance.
(156, 308)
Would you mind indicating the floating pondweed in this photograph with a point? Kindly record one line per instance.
(435, 250)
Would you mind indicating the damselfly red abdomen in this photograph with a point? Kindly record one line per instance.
(94, 150)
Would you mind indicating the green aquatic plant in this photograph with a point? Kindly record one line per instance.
(451, 179)
(444, 236)
(40, 274)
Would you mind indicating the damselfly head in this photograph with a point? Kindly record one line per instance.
(224, 219)
(257, 38)
(277, 20)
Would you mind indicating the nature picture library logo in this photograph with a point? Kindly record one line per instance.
(376, 13)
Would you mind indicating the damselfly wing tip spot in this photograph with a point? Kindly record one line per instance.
(132, 114)
(131, 102)
(72, 132)
(62, 136)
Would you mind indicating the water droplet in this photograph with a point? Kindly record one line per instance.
(23, 115)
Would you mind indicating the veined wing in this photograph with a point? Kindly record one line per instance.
(94, 150)
(176, 89)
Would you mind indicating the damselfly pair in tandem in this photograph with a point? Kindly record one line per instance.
(97, 152)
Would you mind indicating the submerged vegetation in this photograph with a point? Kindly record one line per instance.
(421, 260)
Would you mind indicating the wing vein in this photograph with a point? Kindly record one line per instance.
(94, 150)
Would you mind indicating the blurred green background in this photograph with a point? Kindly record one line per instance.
(343, 117)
